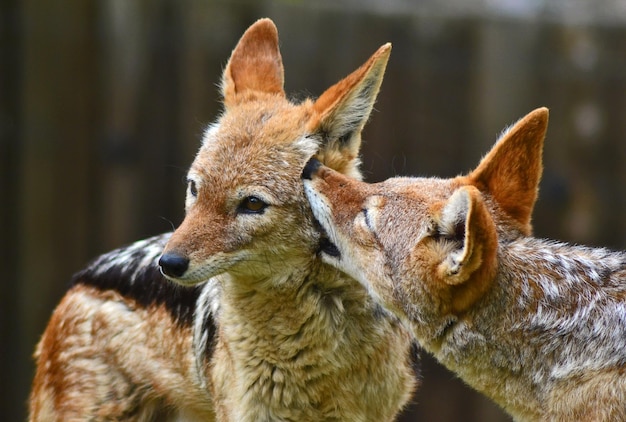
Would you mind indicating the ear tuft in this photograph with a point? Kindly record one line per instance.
(511, 171)
(255, 64)
(341, 112)
(454, 215)
(452, 226)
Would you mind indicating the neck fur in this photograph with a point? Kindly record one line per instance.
(282, 350)
(543, 321)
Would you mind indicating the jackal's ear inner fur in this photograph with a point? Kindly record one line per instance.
(511, 171)
(255, 64)
(466, 221)
(341, 112)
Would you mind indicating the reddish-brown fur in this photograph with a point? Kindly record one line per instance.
(254, 326)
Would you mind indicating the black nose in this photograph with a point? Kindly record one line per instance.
(310, 168)
(173, 264)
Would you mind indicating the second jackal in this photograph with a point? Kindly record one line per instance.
(537, 325)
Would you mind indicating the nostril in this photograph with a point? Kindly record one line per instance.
(173, 264)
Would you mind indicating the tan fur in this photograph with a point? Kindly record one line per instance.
(89, 369)
(534, 324)
(270, 331)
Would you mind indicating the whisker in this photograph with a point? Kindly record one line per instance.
(173, 226)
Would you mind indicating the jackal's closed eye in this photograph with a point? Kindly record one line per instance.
(251, 205)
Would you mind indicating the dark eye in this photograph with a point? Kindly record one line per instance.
(193, 189)
(252, 205)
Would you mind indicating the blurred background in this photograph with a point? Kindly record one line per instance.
(102, 104)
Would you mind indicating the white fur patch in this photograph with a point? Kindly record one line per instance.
(207, 309)
(210, 133)
(138, 255)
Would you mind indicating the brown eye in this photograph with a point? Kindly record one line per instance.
(252, 205)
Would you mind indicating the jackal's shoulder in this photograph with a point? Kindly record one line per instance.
(133, 272)
(568, 261)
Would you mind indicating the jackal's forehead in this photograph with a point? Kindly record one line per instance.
(262, 122)
(255, 146)
(406, 207)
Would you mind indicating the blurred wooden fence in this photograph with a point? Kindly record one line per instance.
(102, 106)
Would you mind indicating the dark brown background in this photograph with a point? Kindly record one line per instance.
(103, 103)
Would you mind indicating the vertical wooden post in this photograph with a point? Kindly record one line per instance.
(57, 112)
(9, 142)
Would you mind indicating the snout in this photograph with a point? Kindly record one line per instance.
(325, 245)
(173, 264)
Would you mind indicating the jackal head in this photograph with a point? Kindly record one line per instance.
(246, 212)
(427, 247)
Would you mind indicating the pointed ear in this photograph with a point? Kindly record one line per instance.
(255, 64)
(466, 222)
(511, 171)
(342, 110)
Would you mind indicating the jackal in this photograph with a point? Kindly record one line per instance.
(537, 325)
(252, 325)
